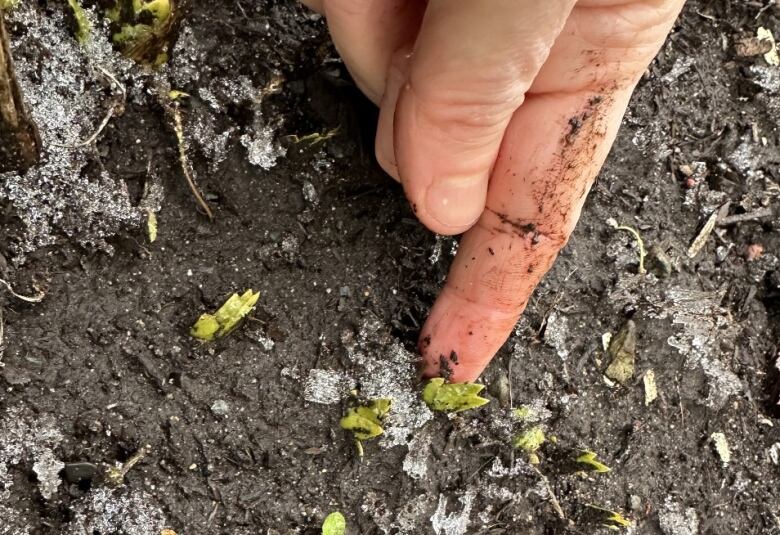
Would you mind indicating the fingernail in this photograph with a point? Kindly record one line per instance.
(457, 202)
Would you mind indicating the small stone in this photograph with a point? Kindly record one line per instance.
(310, 193)
(76, 472)
(753, 252)
(651, 390)
(220, 408)
(636, 503)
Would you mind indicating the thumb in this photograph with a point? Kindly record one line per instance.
(472, 63)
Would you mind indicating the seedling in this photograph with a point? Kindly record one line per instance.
(335, 524)
(448, 397)
(530, 441)
(226, 318)
(590, 460)
(115, 475)
(640, 244)
(83, 27)
(144, 26)
(365, 421)
(313, 138)
(609, 519)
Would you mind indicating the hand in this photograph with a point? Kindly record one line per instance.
(496, 116)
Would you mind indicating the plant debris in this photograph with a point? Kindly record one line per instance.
(651, 390)
(721, 445)
(622, 351)
(449, 397)
(226, 318)
(334, 524)
(151, 226)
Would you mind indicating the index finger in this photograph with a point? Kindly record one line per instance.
(552, 150)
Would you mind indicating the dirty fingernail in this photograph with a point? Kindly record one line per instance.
(457, 202)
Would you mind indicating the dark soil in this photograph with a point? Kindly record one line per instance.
(334, 250)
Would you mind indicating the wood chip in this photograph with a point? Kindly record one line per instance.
(700, 240)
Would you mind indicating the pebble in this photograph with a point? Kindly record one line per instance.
(220, 408)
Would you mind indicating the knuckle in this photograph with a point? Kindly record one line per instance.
(471, 112)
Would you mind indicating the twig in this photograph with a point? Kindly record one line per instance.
(748, 216)
(178, 127)
(556, 505)
(34, 299)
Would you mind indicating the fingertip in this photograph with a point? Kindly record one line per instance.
(459, 339)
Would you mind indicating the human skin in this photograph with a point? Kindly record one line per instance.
(495, 116)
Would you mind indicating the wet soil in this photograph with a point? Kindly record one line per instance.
(234, 446)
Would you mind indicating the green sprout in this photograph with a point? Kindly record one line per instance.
(83, 27)
(590, 459)
(313, 138)
(530, 441)
(610, 519)
(334, 524)
(365, 421)
(224, 320)
(452, 397)
(8, 4)
(144, 26)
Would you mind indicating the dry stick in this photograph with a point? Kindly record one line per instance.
(556, 505)
(761, 213)
(116, 105)
(185, 164)
(20, 144)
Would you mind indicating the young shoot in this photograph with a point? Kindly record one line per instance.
(447, 397)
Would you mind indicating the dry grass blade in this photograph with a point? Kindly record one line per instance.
(34, 299)
(178, 126)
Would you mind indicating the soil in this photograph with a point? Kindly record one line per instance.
(242, 435)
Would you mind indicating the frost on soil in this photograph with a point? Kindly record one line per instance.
(705, 324)
(676, 520)
(385, 370)
(207, 125)
(455, 523)
(116, 511)
(66, 95)
(29, 440)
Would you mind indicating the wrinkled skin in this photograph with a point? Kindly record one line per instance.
(496, 116)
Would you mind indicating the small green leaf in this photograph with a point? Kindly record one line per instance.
(365, 421)
(590, 459)
(335, 524)
(224, 320)
(151, 225)
(530, 440)
(83, 27)
(452, 397)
